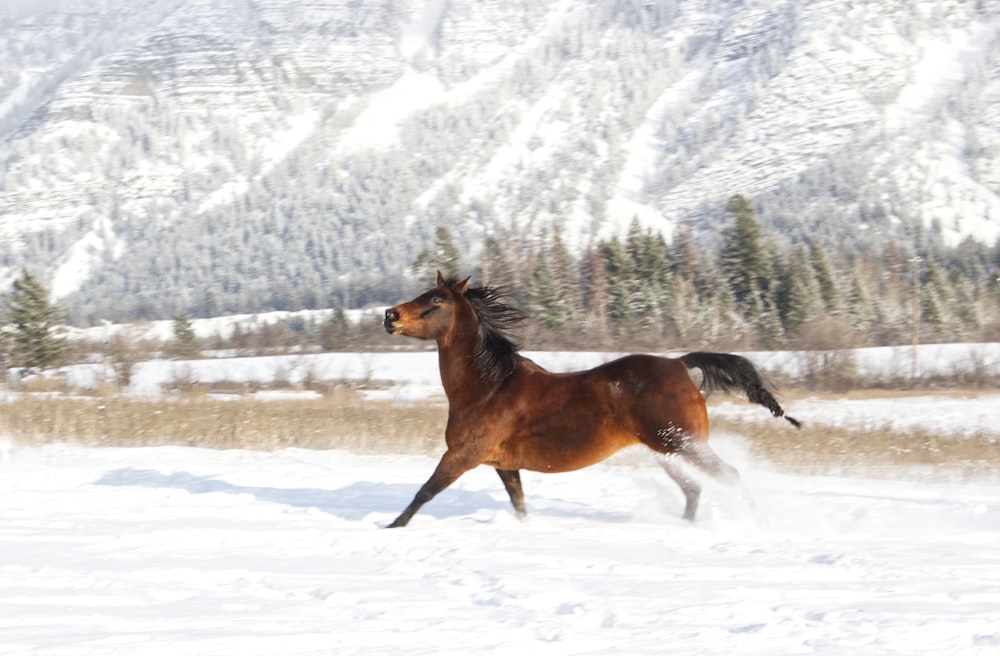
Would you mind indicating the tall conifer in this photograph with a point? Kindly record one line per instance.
(35, 335)
(744, 260)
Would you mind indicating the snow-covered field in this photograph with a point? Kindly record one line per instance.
(192, 551)
(172, 550)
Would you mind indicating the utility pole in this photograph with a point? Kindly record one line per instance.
(916, 260)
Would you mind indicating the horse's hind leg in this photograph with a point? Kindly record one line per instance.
(701, 456)
(690, 487)
(512, 483)
(704, 458)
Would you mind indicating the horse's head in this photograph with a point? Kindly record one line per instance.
(428, 316)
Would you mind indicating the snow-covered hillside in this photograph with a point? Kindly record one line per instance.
(290, 151)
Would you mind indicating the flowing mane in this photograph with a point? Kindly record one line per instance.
(498, 348)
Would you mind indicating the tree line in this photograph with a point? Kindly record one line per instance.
(635, 292)
(753, 292)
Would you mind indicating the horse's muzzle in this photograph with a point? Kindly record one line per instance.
(391, 317)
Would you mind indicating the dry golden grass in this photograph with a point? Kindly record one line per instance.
(341, 419)
(823, 448)
(344, 419)
(832, 449)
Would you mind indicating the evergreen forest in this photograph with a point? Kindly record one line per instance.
(754, 291)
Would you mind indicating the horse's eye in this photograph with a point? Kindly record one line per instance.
(437, 300)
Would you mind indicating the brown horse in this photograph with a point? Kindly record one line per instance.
(507, 412)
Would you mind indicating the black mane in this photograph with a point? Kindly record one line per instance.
(498, 349)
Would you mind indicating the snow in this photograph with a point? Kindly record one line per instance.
(377, 126)
(185, 550)
(948, 416)
(643, 152)
(943, 65)
(86, 255)
(954, 198)
(416, 38)
(158, 550)
(18, 94)
(270, 152)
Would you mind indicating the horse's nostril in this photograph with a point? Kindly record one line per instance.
(392, 314)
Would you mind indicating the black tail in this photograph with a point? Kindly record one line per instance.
(728, 373)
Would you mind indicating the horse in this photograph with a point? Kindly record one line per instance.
(509, 413)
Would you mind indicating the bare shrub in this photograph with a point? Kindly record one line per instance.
(826, 355)
(833, 371)
(976, 370)
(826, 334)
(125, 351)
(182, 379)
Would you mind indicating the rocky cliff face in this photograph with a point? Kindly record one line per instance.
(242, 155)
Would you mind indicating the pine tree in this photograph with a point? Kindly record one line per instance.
(620, 276)
(594, 290)
(743, 257)
(684, 256)
(649, 258)
(859, 304)
(185, 342)
(933, 294)
(801, 297)
(752, 270)
(334, 332)
(765, 320)
(542, 299)
(566, 277)
(824, 277)
(683, 308)
(967, 309)
(35, 336)
(443, 257)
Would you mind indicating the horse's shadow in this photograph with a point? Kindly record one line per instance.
(354, 502)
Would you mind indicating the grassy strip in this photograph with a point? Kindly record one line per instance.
(830, 449)
(343, 419)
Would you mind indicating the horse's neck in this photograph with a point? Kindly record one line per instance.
(459, 375)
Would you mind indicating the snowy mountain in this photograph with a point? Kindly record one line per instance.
(245, 155)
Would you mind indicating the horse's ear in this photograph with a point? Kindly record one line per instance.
(461, 287)
(440, 280)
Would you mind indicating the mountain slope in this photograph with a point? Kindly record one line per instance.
(242, 155)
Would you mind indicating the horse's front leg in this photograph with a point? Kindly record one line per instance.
(452, 465)
(512, 483)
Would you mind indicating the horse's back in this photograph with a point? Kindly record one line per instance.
(630, 379)
(564, 421)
